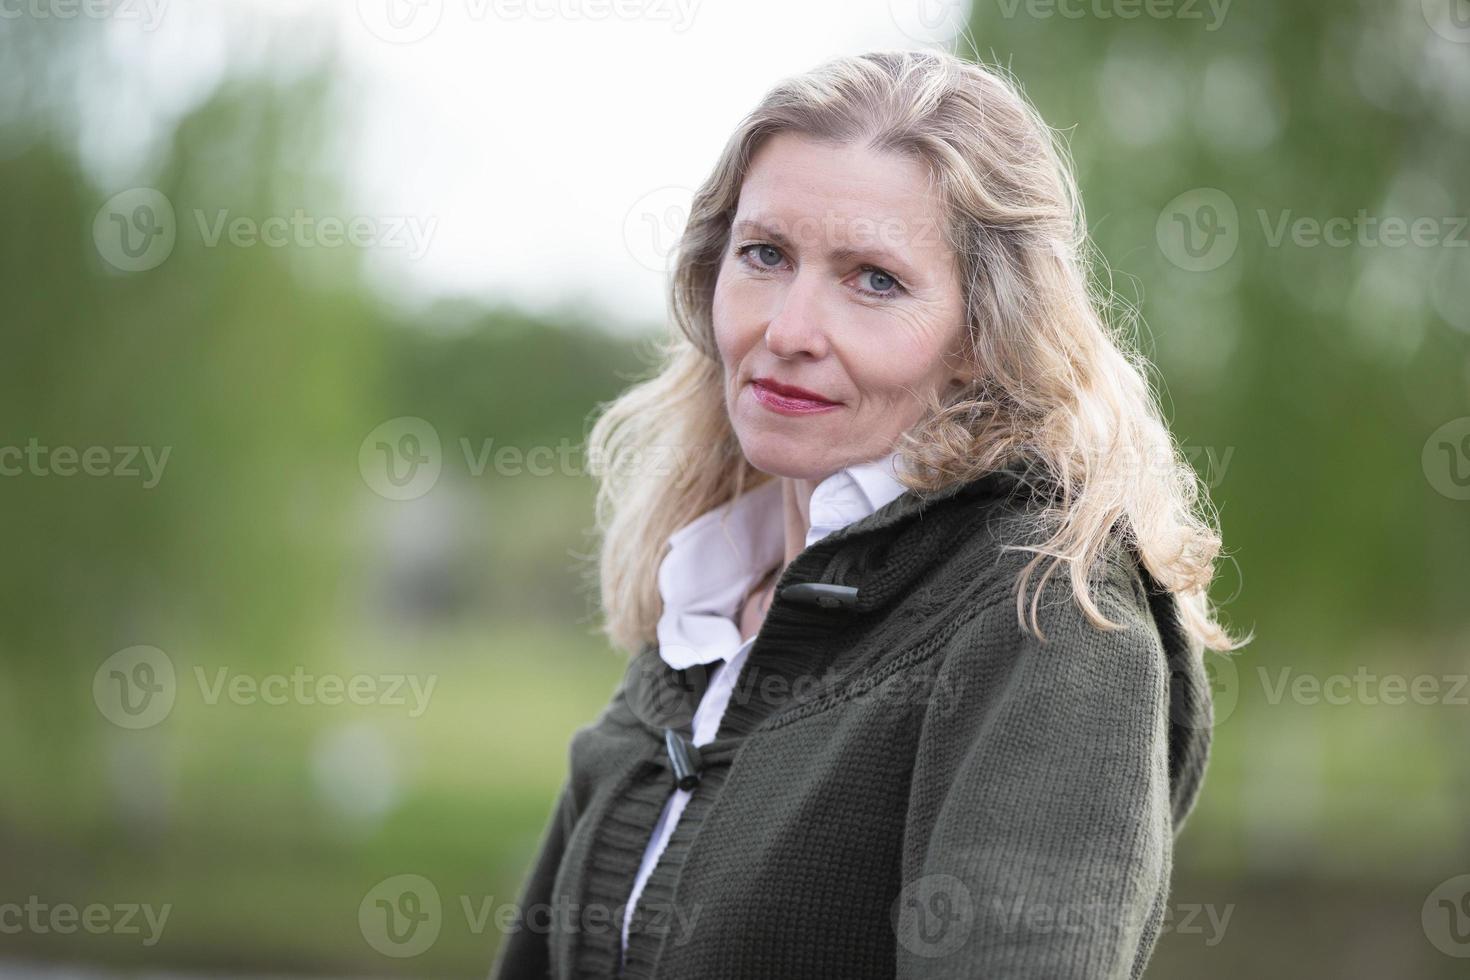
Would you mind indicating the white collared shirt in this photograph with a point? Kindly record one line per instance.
(705, 577)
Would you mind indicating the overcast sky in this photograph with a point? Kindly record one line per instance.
(547, 147)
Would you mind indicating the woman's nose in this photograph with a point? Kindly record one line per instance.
(800, 322)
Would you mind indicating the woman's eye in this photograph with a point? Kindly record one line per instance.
(766, 256)
(759, 256)
(879, 281)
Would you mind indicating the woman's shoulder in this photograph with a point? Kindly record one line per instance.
(1005, 527)
(1035, 652)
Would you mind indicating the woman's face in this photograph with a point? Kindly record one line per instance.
(837, 280)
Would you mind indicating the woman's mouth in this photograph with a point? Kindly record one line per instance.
(788, 400)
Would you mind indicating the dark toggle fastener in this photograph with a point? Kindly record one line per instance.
(826, 596)
(684, 757)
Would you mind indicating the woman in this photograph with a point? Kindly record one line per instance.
(917, 689)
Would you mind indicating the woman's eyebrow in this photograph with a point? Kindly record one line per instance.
(750, 226)
(873, 253)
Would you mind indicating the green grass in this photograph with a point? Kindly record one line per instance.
(233, 829)
(221, 810)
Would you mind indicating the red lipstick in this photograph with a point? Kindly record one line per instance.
(789, 399)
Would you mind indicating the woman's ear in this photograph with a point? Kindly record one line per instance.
(963, 370)
(961, 362)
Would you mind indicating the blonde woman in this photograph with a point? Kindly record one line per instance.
(915, 628)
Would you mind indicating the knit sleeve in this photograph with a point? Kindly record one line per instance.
(523, 953)
(1039, 842)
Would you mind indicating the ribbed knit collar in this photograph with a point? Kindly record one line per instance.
(715, 560)
(883, 556)
(889, 556)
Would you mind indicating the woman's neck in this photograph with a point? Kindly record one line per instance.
(797, 497)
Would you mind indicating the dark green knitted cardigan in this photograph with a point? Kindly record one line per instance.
(905, 784)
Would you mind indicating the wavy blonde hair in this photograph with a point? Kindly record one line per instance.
(1056, 393)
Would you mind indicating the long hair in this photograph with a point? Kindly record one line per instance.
(1057, 392)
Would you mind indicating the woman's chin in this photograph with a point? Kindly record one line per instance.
(796, 457)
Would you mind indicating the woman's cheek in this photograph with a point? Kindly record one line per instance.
(748, 305)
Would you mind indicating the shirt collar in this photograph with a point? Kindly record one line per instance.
(715, 559)
(851, 494)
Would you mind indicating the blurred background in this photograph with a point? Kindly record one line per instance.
(306, 307)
